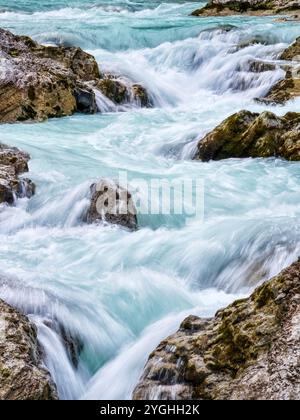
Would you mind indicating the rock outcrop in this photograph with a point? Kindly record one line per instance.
(289, 87)
(248, 351)
(247, 134)
(22, 376)
(14, 162)
(256, 7)
(39, 82)
(111, 204)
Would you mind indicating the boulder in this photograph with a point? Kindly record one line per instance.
(248, 351)
(255, 7)
(111, 204)
(22, 375)
(14, 162)
(289, 87)
(247, 134)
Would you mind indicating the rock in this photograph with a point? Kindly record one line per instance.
(39, 82)
(292, 52)
(247, 134)
(22, 376)
(112, 204)
(255, 7)
(86, 100)
(248, 351)
(14, 162)
(121, 92)
(256, 66)
(289, 87)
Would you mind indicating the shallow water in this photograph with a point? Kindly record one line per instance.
(123, 292)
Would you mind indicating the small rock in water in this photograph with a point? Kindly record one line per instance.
(112, 204)
(14, 162)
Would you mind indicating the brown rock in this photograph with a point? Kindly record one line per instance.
(112, 204)
(22, 376)
(13, 162)
(248, 351)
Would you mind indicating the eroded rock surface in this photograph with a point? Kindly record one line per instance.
(247, 134)
(112, 204)
(39, 82)
(14, 162)
(248, 351)
(256, 7)
(22, 376)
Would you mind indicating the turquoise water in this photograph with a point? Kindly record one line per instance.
(123, 292)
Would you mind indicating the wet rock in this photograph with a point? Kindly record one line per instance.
(257, 66)
(248, 351)
(289, 87)
(86, 100)
(111, 204)
(39, 82)
(247, 134)
(22, 376)
(14, 162)
(122, 92)
(254, 7)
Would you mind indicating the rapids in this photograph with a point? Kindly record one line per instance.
(120, 292)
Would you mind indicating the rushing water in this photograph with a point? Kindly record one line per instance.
(122, 292)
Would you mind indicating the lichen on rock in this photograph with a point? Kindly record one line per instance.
(248, 351)
(248, 134)
(22, 375)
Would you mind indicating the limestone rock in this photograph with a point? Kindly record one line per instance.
(39, 82)
(247, 134)
(14, 162)
(256, 7)
(22, 376)
(248, 351)
(112, 204)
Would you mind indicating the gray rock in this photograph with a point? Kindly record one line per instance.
(248, 351)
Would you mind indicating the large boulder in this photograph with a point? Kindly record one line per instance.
(111, 204)
(247, 134)
(14, 162)
(22, 375)
(257, 7)
(248, 351)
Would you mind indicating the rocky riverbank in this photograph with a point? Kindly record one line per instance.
(39, 82)
(254, 7)
(22, 375)
(248, 351)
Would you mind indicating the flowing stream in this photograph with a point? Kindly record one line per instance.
(120, 293)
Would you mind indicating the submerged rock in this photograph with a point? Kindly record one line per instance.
(248, 351)
(112, 204)
(256, 7)
(14, 162)
(22, 376)
(247, 134)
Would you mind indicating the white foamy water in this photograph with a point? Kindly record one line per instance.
(116, 292)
